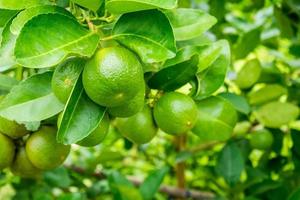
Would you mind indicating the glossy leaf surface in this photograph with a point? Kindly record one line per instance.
(154, 45)
(124, 6)
(61, 36)
(31, 100)
(189, 23)
(80, 117)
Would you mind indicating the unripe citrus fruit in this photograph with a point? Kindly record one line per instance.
(113, 76)
(97, 136)
(139, 128)
(261, 139)
(175, 113)
(7, 151)
(65, 76)
(43, 150)
(131, 108)
(23, 167)
(12, 128)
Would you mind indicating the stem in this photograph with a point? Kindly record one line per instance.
(19, 73)
(180, 142)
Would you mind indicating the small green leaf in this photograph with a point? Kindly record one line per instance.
(249, 74)
(6, 83)
(55, 176)
(81, 116)
(125, 6)
(266, 93)
(119, 186)
(216, 66)
(276, 114)
(36, 50)
(216, 119)
(189, 23)
(239, 102)
(93, 5)
(21, 4)
(31, 100)
(152, 183)
(172, 78)
(247, 42)
(230, 163)
(154, 45)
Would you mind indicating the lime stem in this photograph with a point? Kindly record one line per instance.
(180, 142)
(19, 73)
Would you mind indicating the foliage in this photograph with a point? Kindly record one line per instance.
(238, 60)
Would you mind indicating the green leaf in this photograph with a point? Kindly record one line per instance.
(6, 48)
(189, 23)
(275, 114)
(125, 6)
(249, 74)
(55, 176)
(121, 188)
(31, 100)
(172, 78)
(21, 4)
(93, 5)
(230, 163)
(152, 183)
(216, 65)
(80, 118)
(154, 45)
(266, 93)
(12, 30)
(284, 23)
(6, 83)
(216, 119)
(26, 15)
(36, 50)
(239, 102)
(6, 15)
(246, 43)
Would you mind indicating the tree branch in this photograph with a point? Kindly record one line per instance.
(170, 190)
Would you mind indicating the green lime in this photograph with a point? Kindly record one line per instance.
(261, 139)
(113, 76)
(139, 128)
(7, 151)
(132, 107)
(43, 150)
(23, 167)
(12, 128)
(65, 77)
(175, 113)
(249, 74)
(98, 135)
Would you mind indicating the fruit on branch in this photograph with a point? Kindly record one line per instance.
(12, 128)
(23, 167)
(139, 128)
(113, 76)
(132, 107)
(43, 150)
(7, 151)
(65, 77)
(261, 139)
(175, 113)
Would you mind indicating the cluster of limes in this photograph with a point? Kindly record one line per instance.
(28, 155)
(112, 78)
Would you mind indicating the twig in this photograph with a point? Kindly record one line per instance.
(170, 190)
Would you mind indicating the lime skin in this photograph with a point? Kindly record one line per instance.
(175, 113)
(7, 151)
(113, 76)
